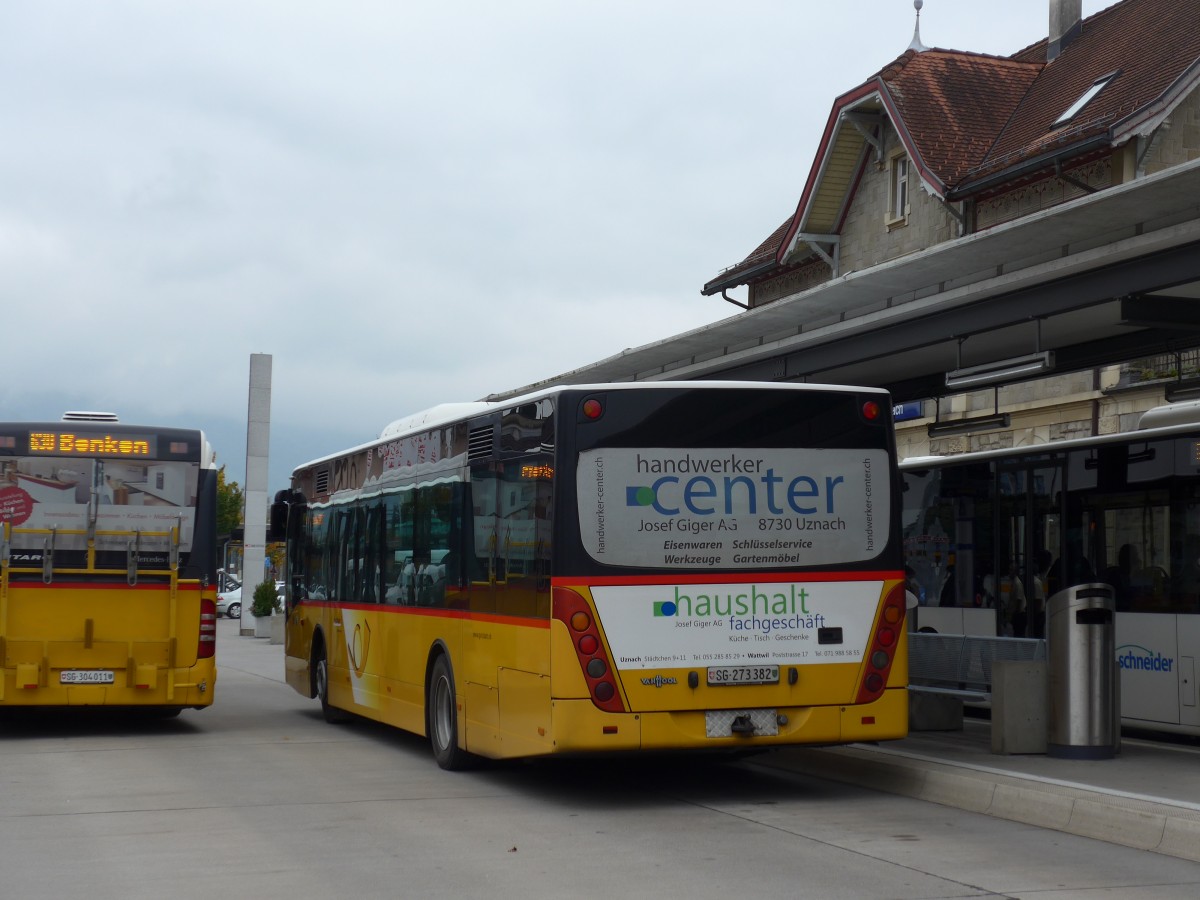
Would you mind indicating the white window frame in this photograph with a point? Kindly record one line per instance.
(1084, 99)
(899, 189)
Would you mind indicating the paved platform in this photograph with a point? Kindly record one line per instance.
(1147, 797)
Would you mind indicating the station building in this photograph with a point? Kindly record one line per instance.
(1010, 244)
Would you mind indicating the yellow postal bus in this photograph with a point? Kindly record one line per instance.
(107, 565)
(603, 568)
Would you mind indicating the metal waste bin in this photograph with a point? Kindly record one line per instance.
(1084, 715)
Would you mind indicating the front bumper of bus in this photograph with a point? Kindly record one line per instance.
(580, 727)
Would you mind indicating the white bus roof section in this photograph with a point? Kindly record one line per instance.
(437, 415)
(1185, 413)
(508, 400)
(448, 413)
(916, 315)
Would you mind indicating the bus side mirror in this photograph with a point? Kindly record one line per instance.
(281, 510)
(277, 527)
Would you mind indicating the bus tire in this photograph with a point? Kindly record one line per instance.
(442, 726)
(332, 714)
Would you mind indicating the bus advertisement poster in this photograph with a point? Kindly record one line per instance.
(775, 622)
(732, 508)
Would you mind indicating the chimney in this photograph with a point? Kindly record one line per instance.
(1066, 24)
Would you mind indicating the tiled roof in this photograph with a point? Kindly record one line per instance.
(1151, 43)
(972, 119)
(955, 105)
(763, 253)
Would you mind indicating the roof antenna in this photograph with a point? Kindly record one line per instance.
(916, 41)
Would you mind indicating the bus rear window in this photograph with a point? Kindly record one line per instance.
(732, 507)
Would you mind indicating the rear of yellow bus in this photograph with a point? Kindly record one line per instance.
(736, 582)
(107, 566)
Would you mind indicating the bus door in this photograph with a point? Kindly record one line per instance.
(1028, 541)
(354, 623)
(1129, 511)
(949, 547)
(511, 503)
(1141, 509)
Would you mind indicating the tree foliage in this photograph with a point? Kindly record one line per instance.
(276, 554)
(229, 505)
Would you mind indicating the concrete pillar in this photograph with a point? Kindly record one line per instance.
(258, 441)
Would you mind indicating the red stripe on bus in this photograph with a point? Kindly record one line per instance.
(728, 578)
(94, 586)
(466, 614)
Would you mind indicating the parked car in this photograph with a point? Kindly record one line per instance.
(229, 603)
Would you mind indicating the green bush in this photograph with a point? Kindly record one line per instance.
(266, 601)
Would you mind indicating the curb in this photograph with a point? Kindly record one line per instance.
(1144, 823)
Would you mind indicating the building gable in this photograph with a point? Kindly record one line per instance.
(977, 128)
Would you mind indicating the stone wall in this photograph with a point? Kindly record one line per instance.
(868, 240)
(1061, 407)
(1177, 141)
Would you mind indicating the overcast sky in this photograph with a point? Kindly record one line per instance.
(404, 203)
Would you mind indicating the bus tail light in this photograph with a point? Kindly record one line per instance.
(883, 646)
(208, 630)
(591, 409)
(573, 611)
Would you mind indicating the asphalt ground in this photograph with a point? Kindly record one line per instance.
(1146, 797)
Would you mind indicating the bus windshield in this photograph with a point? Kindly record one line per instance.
(101, 488)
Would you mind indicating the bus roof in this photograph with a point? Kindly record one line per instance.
(1161, 421)
(447, 413)
(1186, 413)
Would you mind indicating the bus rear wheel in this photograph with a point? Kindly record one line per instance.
(321, 676)
(442, 712)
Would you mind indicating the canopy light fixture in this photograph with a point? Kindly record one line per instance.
(1183, 389)
(965, 426)
(1001, 370)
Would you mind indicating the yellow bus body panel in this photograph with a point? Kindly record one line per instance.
(522, 692)
(51, 629)
(580, 727)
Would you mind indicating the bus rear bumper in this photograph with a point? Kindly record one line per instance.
(26, 685)
(580, 727)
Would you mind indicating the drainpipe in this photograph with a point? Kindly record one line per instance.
(731, 300)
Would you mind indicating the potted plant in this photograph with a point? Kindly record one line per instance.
(263, 607)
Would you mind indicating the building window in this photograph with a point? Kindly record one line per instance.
(1084, 99)
(898, 190)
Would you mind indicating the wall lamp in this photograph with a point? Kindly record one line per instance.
(965, 426)
(1001, 370)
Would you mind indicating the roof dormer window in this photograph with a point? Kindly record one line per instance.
(1084, 99)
